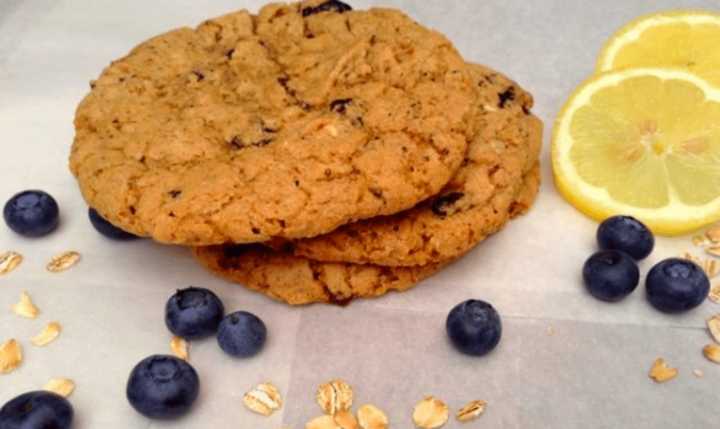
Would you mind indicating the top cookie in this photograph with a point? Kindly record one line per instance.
(286, 124)
(477, 202)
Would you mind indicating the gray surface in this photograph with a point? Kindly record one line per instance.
(591, 373)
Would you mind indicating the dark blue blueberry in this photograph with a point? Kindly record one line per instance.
(441, 205)
(328, 6)
(676, 285)
(37, 410)
(194, 313)
(242, 334)
(611, 275)
(107, 229)
(162, 387)
(32, 213)
(474, 327)
(626, 234)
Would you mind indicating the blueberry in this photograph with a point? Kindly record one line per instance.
(32, 213)
(676, 285)
(626, 234)
(242, 334)
(107, 229)
(37, 410)
(328, 6)
(611, 275)
(474, 327)
(194, 313)
(162, 387)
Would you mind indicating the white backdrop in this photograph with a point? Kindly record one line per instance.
(591, 373)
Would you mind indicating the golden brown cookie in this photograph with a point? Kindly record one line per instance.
(286, 124)
(299, 281)
(477, 202)
(528, 193)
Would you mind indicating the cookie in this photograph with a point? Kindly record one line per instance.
(286, 124)
(298, 281)
(477, 202)
(528, 194)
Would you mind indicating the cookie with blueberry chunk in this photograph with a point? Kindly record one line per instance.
(296, 280)
(477, 202)
(285, 124)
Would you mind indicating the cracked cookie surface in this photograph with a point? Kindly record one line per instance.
(285, 124)
(477, 202)
(298, 281)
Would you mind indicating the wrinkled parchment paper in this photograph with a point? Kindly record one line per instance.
(565, 361)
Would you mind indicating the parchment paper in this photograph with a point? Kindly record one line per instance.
(565, 361)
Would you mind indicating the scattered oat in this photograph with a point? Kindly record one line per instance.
(471, 411)
(713, 234)
(430, 413)
(323, 422)
(714, 295)
(661, 372)
(700, 241)
(10, 356)
(180, 348)
(264, 399)
(9, 261)
(371, 417)
(63, 261)
(714, 250)
(698, 373)
(60, 386)
(711, 268)
(48, 335)
(334, 396)
(712, 352)
(345, 420)
(25, 308)
(713, 325)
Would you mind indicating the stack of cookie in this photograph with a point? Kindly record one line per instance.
(310, 152)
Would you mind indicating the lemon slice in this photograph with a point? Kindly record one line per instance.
(687, 40)
(642, 142)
